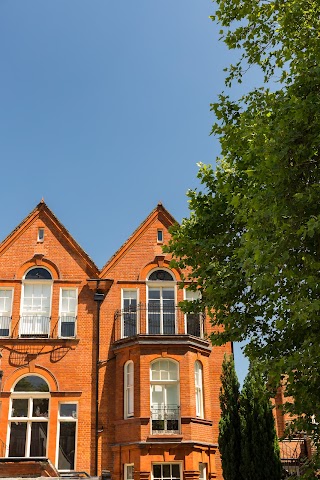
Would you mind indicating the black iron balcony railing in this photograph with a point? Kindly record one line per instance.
(67, 326)
(34, 326)
(5, 326)
(154, 319)
(165, 419)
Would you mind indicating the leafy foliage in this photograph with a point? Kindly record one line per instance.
(253, 236)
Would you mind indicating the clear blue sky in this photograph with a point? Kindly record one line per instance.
(105, 110)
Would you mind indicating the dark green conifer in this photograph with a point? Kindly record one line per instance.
(259, 446)
(229, 425)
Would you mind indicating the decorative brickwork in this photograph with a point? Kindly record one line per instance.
(50, 330)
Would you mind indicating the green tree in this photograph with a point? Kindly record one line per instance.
(229, 424)
(253, 236)
(259, 446)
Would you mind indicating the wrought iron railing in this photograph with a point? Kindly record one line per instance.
(293, 455)
(153, 319)
(67, 326)
(34, 326)
(165, 419)
(5, 326)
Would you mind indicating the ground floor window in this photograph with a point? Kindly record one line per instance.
(166, 471)
(67, 432)
(28, 418)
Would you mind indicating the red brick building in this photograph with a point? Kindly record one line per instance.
(101, 370)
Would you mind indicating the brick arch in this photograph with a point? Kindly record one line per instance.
(38, 261)
(164, 264)
(43, 372)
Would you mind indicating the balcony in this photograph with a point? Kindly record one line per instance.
(155, 320)
(165, 420)
(34, 326)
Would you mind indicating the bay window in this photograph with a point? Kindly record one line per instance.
(161, 303)
(198, 388)
(165, 409)
(129, 389)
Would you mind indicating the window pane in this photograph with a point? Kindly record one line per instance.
(166, 471)
(18, 439)
(5, 302)
(175, 471)
(40, 407)
(157, 472)
(38, 445)
(161, 275)
(67, 444)
(68, 410)
(19, 407)
(31, 383)
(38, 274)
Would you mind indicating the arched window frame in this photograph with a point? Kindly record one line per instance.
(165, 415)
(28, 418)
(198, 380)
(161, 304)
(128, 389)
(35, 322)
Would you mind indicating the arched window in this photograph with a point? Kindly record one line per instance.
(161, 303)
(129, 389)
(165, 408)
(28, 417)
(36, 303)
(198, 388)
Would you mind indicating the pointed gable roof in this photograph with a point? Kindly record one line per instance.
(42, 208)
(159, 212)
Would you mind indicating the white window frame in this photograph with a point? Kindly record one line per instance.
(128, 389)
(40, 237)
(126, 476)
(69, 419)
(193, 295)
(198, 379)
(162, 285)
(160, 234)
(30, 396)
(7, 313)
(203, 471)
(136, 290)
(164, 383)
(166, 463)
(35, 313)
(61, 314)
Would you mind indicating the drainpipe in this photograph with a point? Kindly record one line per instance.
(98, 297)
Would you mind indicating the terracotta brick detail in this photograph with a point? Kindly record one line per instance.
(69, 365)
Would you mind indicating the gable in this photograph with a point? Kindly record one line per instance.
(142, 246)
(23, 246)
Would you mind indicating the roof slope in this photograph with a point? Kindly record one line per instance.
(42, 208)
(158, 211)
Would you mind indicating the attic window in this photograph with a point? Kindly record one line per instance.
(160, 236)
(40, 234)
